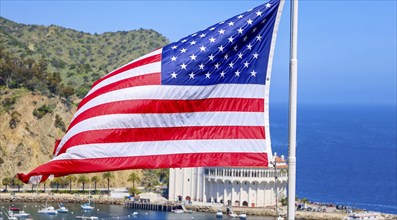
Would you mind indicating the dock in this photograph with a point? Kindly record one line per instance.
(166, 207)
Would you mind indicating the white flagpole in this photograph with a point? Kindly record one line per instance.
(293, 68)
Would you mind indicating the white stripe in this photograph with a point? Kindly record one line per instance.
(138, 71)
(163, 148)
(176, 92)
(117, 121)
(158, 51)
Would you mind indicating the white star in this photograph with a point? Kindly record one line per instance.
(202, 48)
(211, 57)
(173, 75)
(249, 21)
(184, 40)
(268, 5)
(256, 55)
(221, 31)
(240, 16)
(194, 34)
(217, 66)
(235, 48)
(231, 65)
(253, 73)
(259, 37)
(254, 30)
(249, 46)
(212, 39)
(223, 74)
(240, 55)
(183, 66)
(183, 50)
(207, 75)
(221, 48)
(246, 64)
(231, 39)
(245, 38)
(231, 23)
(173, 58)
(221, 22)
(193, 57)
(237, 73)
(264, 20)
(211, 29)
(202, 35)
(258, 13)
(201, 66)
(240, 31)
(191, 75)
(174, 47)
(193, 42)
(226, 56)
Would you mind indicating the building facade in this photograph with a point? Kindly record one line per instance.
(251, 187)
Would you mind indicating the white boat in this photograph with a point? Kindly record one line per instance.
(62, 209)
(21, 214)
(364, 216)
(233, 215)
(135, 213)
(178, 211)
(87, 206)
(219, 213)
(11, 216)
(87, 217)
(243, 216)
(49, 210)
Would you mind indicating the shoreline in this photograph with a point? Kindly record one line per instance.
(330, 214)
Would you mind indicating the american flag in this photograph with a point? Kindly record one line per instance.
(200, 101)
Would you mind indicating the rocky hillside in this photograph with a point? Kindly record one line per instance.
(27, 138)
(44, 73)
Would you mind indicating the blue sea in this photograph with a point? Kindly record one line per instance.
(346, 154)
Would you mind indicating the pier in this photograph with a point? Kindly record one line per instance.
(167, 207)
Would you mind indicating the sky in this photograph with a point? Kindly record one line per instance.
(346, 49)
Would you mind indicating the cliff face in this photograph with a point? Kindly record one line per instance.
(27, 141)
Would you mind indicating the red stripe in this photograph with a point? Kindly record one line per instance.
(147, 60)
(65, 167)
(172, 106)
(147, 79)
(164, 134)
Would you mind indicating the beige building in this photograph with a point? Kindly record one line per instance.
(251, 187)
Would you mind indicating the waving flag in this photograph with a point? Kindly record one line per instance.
(201, 101)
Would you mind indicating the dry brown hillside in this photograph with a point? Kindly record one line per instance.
(26, 140)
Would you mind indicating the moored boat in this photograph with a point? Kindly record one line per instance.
(49, 210)
(219, 213)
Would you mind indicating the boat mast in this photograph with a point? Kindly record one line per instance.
(293, 68)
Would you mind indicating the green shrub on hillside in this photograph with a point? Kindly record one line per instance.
(43, 110)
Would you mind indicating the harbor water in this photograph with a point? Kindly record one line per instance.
(110, 212)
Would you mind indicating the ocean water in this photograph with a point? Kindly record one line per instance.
(346, 154)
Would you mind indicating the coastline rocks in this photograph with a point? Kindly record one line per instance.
(63, 198)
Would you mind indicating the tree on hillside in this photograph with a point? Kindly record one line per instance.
(83, 179)
(71, 179)
(150, 179)
(133, 177)
(6, 181)
(18, 183)
(95, 179)
(58, 181)
(108, 176)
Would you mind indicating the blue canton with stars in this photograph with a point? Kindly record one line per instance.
(234, 51)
